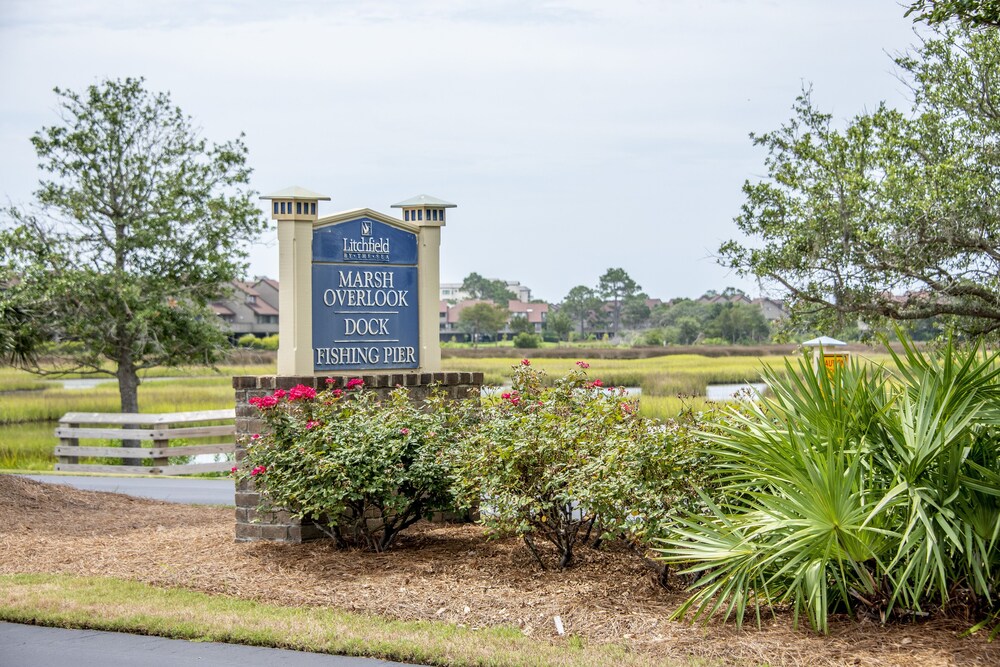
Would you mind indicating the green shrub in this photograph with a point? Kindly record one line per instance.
(247, 340)
(558, 463)
(527, 340)
(653, 337)
(860, 490)
(365, 469)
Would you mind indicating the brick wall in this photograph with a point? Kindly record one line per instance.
(253, 525)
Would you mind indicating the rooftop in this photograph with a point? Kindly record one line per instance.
(424, 200)
(295, 192)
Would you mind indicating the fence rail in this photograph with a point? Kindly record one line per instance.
(156, 429)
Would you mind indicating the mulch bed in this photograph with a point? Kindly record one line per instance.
(446, 572)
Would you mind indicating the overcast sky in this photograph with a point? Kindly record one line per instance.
(573, 135)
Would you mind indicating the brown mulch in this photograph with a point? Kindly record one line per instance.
(446, 572)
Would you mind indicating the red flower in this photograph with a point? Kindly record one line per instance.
(595, 384)
(311, 424)
(355, 383)
(583, 364)
(525, 362)
(404, 431)
(280, 393)
(300, 392)
(233, 470)
(259, 470)
(331, 380)
(263, 402)
(255, 436)
(627, 408)
(337, 393)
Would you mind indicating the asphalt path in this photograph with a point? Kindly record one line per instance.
(35, 646)
(194, 491)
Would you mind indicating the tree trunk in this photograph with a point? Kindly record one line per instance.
(128, 390)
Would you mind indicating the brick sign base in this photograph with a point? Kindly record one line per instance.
(277, 525)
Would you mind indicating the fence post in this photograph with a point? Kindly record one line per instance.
(69, 442)
(163, 461)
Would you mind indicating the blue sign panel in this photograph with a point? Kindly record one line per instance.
(364, 240)
(365, 310)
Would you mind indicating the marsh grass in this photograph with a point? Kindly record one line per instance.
(28, 446)
(12, 379)
(669, 407)
(682, 374)
(199, 393)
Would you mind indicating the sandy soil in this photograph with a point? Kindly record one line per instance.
(442, 572)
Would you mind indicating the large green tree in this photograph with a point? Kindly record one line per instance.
(139, 223)
(739, 323)
(488, 289)
(894, 216)
(482, 318)
(617, 287)
(582, 305)
(559, 324)
(981, 13)
(634, 311)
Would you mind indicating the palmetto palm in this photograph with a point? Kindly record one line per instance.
(860, 487)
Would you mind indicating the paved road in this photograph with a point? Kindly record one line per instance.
(33, 646)
(196, 491)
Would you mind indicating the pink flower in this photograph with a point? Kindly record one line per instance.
(627, 408)
(511, 396)
(331, 380)
(311, 424)
(583, 364)
(233, 470)
(404, 431)
(263, 402)
(354, 383)
(525, 362)
(597, 383)
(255, 436)
(337, 393)
(300, 392)
(280, 393)
(259, 470)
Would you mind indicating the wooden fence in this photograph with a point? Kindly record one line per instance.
(156, 429)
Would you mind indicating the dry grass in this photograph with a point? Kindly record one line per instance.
(438, 573)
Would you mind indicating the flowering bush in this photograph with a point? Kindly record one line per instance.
(363, 468)
(558, 462)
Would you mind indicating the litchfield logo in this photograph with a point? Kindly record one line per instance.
(366, 227)
(369, 250)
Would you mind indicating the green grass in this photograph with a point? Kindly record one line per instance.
(197, 393)
(12, 379)
(668, 407)
(127, 606)
(27, 446)
(683, 374)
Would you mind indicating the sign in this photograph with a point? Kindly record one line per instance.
(833, 362)
(364, 297)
